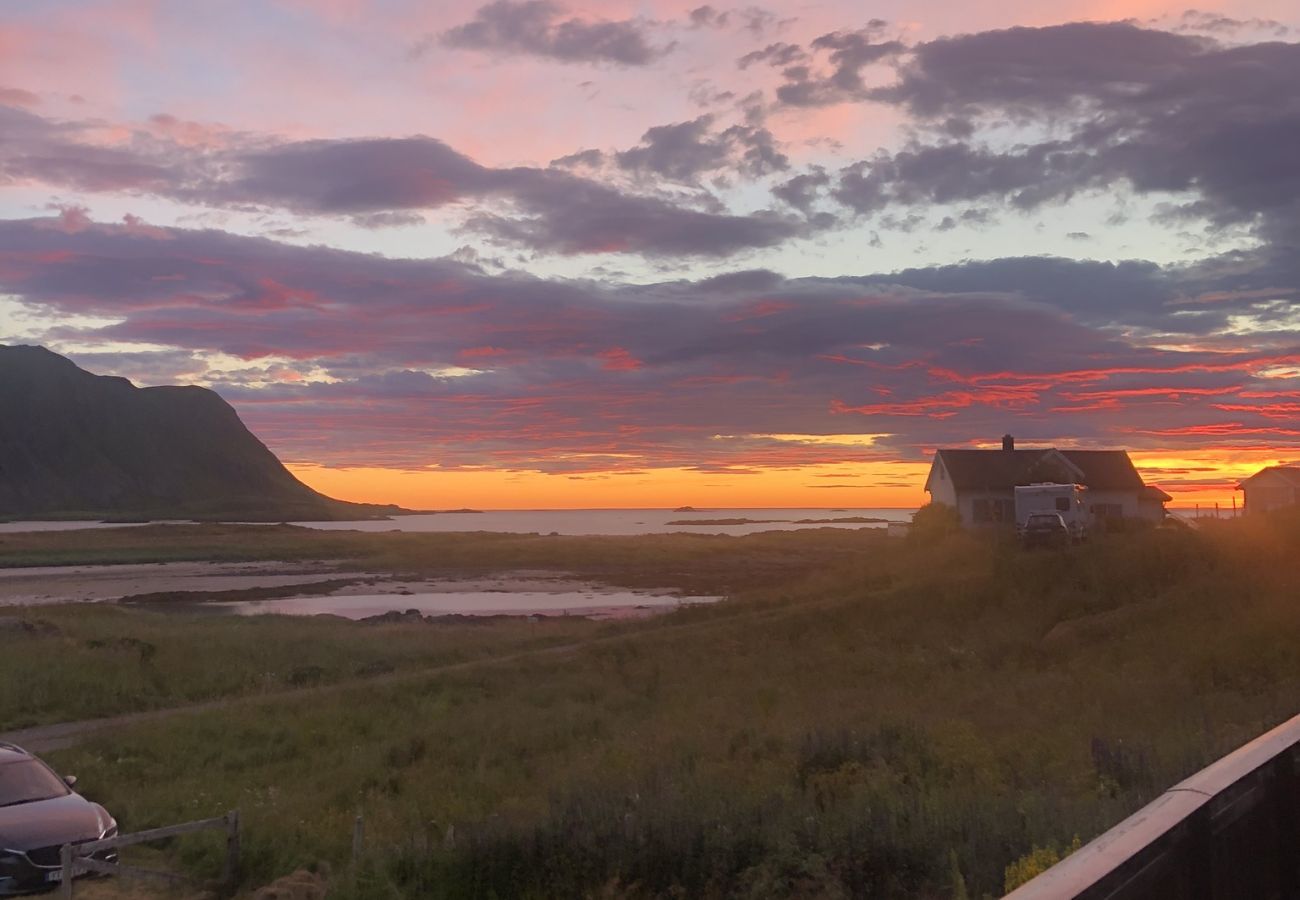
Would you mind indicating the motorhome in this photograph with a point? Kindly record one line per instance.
(1050, 497)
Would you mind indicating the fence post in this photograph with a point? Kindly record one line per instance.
(230, 877)
(65, 862)
(358, 839)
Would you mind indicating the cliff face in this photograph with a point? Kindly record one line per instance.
(75, 444)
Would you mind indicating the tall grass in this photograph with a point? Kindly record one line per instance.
(909, 720)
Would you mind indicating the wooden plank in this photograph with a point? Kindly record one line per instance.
(154, 834)
(1132, 837)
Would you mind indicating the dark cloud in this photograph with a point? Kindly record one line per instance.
(683, 151)
(356, 176)
(846, 53)
(778, 54)
(803, 190)
(955, 172)
(588, 158)
(753, 19)
(387, 182)
(1214, 23)
(35, 148)
(538, 28)
(1030, 70)
(436, 361)
(680, 151)
(1151, 110)
(569, 215)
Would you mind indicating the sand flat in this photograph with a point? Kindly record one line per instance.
(63, 584)
(513, 592)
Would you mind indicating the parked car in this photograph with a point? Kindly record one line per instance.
(39, 813)
(1045, 530)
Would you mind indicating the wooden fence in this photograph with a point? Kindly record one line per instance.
(1229, 832)
(77, 859)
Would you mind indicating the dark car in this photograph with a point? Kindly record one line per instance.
(1045, 530)
(39, 813)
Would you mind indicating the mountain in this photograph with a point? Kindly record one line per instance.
(77, 445)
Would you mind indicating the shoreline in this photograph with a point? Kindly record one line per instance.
(323, 588)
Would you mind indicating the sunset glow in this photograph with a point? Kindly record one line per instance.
(522, 254)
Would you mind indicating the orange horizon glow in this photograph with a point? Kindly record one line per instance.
(1192, 477)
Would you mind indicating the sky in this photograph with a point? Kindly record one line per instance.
(530, 253)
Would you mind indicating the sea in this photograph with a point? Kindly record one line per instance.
(584, 521)
(628, 521)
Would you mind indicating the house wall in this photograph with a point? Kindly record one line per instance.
(1151, 510)
(965, 503)
(941, 489)
(1127, 501)
(1267, 491)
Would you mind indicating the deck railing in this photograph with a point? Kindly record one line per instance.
(1229, 832)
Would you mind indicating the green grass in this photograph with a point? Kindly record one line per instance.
(111, 660)
(900, 719)
(98, 660)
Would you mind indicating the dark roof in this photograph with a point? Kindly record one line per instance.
(1109, 470)
(1106, 470)
(1151, 492)
(1290, 474)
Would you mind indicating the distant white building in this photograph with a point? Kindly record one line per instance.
(1271, 488)
(981, 484)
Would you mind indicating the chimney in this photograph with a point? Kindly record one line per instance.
(1008, 442)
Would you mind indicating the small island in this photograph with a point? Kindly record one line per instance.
(845, 520)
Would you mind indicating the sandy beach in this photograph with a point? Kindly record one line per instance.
(355, 594)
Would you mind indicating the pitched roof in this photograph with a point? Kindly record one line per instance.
(1106, 470)
(994, 470)
(1151, 492)
(1289, 474)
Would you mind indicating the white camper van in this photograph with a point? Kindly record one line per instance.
(1064, 499)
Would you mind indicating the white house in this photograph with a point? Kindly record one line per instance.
(1271, 488)
(980, 484)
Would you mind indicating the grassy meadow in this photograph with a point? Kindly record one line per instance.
(933, 717)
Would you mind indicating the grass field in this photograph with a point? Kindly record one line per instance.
(864, 718)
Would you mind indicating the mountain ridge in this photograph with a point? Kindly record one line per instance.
(78, 445)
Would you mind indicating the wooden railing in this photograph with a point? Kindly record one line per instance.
(77, 859)
(1229, 832)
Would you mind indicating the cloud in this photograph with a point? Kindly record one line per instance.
(753, 19)
(846, 54)
(683, 151)
(780, 53)
(425, 362)
(17, 97)
(1158, 112)
(388, 182)
(536, 28)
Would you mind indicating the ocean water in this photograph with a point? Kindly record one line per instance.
(622, 521)
(599, 604)
(572, 521)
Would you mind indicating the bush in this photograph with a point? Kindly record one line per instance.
(933, 522)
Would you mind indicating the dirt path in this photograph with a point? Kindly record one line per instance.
(43, 738)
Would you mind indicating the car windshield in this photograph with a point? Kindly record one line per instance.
(28, 780)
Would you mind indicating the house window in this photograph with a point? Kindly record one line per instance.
(1108, 510)
(986, 510)
(1062, 504)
